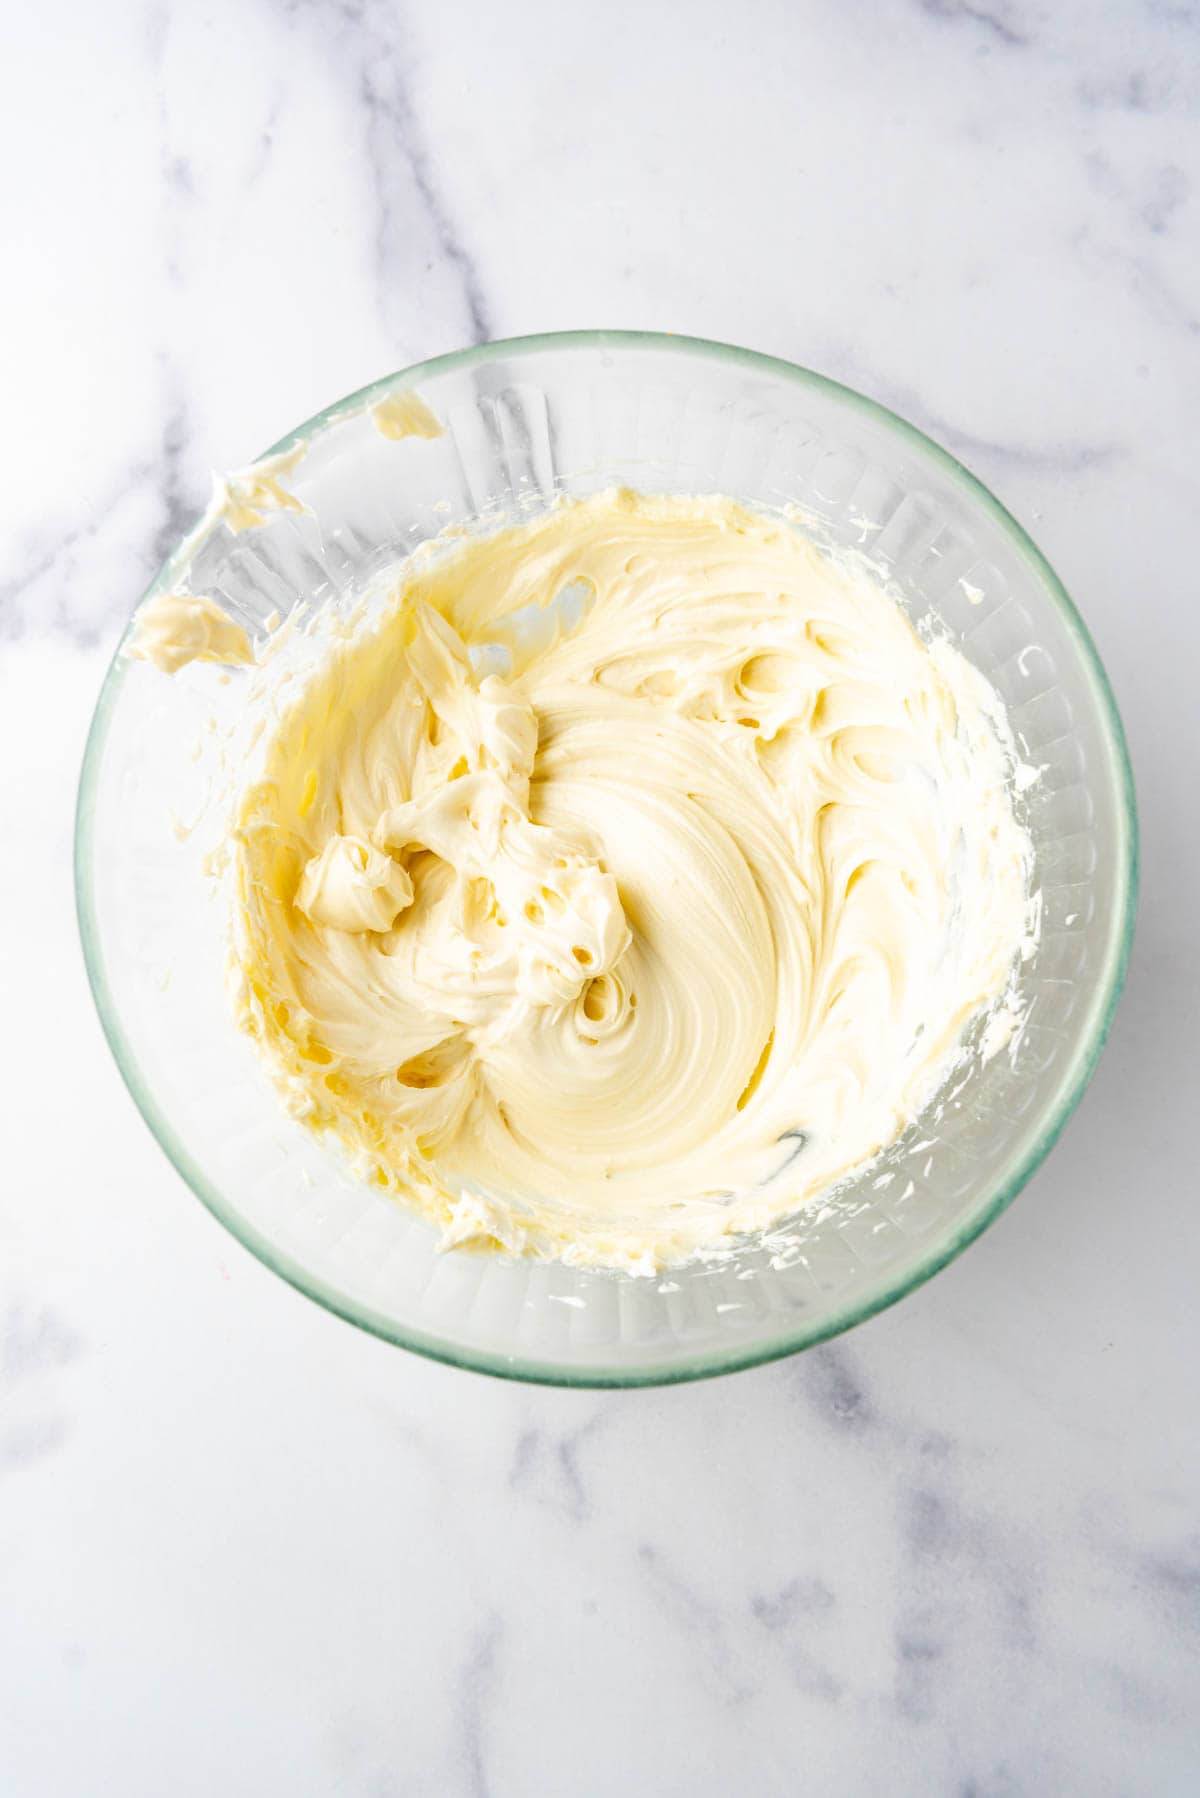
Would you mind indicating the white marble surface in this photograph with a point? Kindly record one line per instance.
(245, 1550)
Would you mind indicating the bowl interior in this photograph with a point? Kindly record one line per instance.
(523, 421)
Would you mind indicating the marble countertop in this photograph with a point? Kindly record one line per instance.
(246, 1550)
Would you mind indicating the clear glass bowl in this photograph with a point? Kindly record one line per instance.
(578, 413)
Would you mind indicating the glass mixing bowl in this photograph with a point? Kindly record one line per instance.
(525, 420)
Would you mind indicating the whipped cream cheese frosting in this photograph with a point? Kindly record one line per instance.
(178, 628)
(623, 881)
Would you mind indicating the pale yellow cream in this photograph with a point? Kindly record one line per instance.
(625, 882)
(405, 414)
(178, 628)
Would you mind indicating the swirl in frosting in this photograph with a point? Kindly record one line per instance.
(626, 880)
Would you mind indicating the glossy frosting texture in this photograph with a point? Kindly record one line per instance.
(627, 879)
(177, 628)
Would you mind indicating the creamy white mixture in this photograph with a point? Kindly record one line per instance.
(628, 881)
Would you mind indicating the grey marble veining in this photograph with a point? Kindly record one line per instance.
(244, 1549)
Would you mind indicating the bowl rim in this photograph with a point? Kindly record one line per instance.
(854, 1311)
